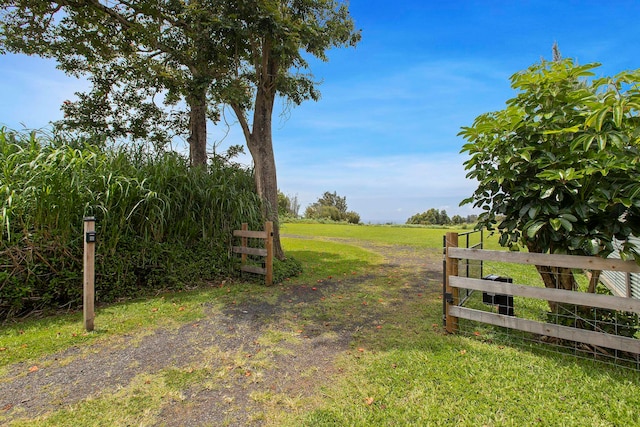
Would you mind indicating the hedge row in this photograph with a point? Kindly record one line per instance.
(160, 223)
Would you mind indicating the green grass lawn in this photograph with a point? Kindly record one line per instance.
(411, 373)
(396, 235)
(400, 368)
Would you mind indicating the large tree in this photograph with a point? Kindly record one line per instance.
(160, 68)
(275, 36)
(152, 64)
(558, 169)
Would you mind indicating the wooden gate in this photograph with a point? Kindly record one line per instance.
(265, 252)
(455, 310)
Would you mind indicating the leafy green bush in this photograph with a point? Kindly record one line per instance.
(287, 268)
(160, 223)
(352, 217)
(331, 207)
(430, 217)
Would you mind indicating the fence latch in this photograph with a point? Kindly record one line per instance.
(448, 297)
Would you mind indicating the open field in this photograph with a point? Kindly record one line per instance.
(354, 341)
(419, 237)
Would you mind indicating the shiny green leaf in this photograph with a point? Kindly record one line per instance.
(547, 193)
(533, 229)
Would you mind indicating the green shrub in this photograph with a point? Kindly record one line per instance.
(160, 223)
(331, 207)
(285, 269)
(352, 217)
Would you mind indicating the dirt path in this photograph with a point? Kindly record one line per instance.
(229, 346)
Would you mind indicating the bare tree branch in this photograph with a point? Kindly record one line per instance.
(242, 119)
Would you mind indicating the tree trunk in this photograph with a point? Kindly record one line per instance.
(555, 278)
(593, 281)
(260, 144)
(259, 137)
(198, 129)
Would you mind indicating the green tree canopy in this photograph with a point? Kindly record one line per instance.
(160, 68)
(288, 206)
(558, 169)
(457, 220)
(430, 217)
(332, 206)
(154, 65)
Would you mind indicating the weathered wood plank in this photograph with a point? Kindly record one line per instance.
(552, 260)
(451, 322)
(244, 242)
(249, 251)
(253, 269)
(266, 252)
(268, 230)
(547, 329)
(89, 275)
(558, 295)
(250, 233)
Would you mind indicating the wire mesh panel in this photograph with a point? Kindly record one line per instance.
(472, 240)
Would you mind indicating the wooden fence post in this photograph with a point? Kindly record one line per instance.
(452, 270)
(268, 228)
(88, 299)
(243, 256)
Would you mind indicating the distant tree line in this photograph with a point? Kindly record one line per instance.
(439, 217)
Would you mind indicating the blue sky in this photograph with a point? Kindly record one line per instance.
(384, 133)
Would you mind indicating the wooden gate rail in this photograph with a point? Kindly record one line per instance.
(550, 260)
(610, 302)
(454, 283)
(600, 339)
(266, 252)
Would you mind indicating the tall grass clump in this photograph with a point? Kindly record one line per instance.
(161, 224)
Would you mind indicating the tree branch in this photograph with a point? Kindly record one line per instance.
(593, 281)
(242, 119)
(126, 24)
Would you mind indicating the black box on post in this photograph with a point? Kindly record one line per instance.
(504, 302)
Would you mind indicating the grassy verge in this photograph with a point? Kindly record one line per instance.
(324, 259)
(28, 340)
(456, 381)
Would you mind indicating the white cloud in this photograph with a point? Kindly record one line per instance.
(383, 188)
